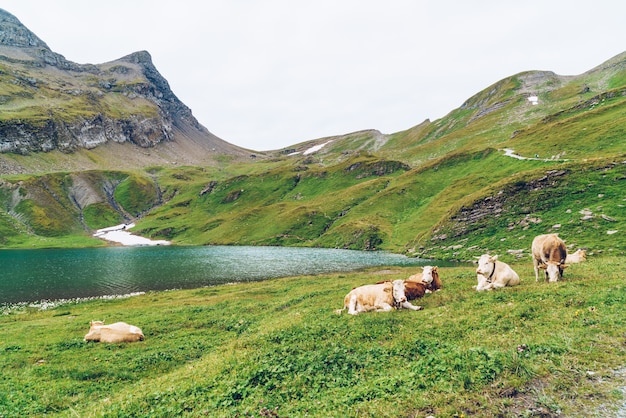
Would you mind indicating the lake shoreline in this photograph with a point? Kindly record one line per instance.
(45, 304)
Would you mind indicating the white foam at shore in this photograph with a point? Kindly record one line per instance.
(45, 304)
(120, 234)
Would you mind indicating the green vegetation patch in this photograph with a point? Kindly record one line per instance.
(101, 215)
(583, 203)
(136, 194)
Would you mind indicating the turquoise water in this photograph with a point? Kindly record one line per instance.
(34, 275)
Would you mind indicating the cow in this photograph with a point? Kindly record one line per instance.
(549, 253)
(379, 297)
(494, 274)
(578, 257)
(428, 276)
(119, 332)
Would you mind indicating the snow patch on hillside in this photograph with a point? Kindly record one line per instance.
(120, 235)
(316, 148)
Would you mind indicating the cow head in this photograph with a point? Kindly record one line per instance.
(399, 295)
(486, 265)
(436, 283)
(554, 271)
(580, 255)
(427, 274)
(94, 331)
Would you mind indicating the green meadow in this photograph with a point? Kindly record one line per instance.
(278, 348)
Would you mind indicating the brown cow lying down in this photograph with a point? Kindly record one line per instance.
(379, 297)
(578, 257)
(494, 274)
(428, 276)
(549, 253)
(119, 332)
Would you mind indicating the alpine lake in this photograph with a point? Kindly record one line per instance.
(61, 274)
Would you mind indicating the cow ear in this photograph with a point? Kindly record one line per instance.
(494, 258)
(564, 266)
(435, 268)
(543, 266)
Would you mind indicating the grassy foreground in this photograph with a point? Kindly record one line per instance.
(277, 348)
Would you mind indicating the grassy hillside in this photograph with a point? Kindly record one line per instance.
(62, 209)
(277, 348)
(443, 189)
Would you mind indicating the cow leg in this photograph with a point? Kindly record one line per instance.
(385, 307)
(483, 284)
(536, 266)
(409, 305)
(479, 285)
(352, 305)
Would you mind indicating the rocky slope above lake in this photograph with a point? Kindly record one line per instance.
(48, 103)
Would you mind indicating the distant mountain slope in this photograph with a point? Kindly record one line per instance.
(48, 103)
(509, 113)
(530, 154)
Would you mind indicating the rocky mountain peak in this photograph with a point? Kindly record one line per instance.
(13, 33)
(50, 103)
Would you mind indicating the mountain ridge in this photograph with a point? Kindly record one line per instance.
(48, 103)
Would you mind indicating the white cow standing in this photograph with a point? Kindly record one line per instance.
(494, 274)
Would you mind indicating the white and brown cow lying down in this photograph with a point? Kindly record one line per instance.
(549, 253)
(578, 257)
(119, 332)
(384, 296)
(494, 274)
(379, 297)
(429, 276)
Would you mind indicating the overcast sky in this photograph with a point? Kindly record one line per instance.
(268, 74)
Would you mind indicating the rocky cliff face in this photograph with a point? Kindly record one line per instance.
(49, 103)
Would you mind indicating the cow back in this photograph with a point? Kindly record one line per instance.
(549, 248)
(373, 294)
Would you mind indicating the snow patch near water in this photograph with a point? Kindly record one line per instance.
(119, 234)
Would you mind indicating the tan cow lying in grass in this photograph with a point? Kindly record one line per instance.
(379, 297)
(119, 332)
(549, 253)
(578, 257)
(494, 274)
